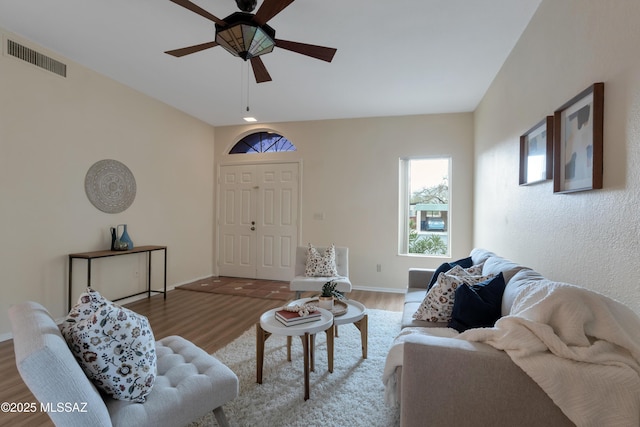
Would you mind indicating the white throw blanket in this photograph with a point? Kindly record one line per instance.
(580, 347)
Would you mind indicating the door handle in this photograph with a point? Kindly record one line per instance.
(253, 228)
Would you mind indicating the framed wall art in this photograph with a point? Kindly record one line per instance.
(578, 134)
(536, 153)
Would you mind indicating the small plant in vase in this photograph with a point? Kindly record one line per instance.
(329, 293)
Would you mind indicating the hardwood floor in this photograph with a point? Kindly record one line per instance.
(209, 320)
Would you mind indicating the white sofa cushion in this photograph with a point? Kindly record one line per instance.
(520, 279)
(479, 255)
(495, 264)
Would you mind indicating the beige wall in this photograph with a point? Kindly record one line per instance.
(52, 130)
(589, 238)
(350, 174)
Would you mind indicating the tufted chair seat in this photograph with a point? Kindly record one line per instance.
(190, 383)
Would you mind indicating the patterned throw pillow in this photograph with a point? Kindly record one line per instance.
(321, 265)
(114, 346)
(445, 267)
(437, 305)
(474, 270)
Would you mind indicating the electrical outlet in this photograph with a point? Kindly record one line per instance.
(378, 268)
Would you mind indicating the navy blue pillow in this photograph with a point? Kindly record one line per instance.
(464, 263)
(479, 305)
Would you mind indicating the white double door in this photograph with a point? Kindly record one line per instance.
(258, 220)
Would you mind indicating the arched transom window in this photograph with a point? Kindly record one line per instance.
(262, 142)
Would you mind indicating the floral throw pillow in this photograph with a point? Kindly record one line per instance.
(114, 346)
(437, 305)
(321, 265)
(474, 270)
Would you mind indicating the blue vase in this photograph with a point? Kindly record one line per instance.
(124, 237)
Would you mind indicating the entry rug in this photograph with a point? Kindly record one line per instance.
(353, 395)
(256, 288)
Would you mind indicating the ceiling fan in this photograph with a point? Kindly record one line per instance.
(248, 36)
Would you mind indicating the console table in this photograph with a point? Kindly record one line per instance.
(89, 256)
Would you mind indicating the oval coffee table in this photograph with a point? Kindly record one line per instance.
(356, 314)
(270, 325)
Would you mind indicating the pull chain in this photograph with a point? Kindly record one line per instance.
(247, 68)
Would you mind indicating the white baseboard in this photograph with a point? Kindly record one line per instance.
(376, 289)
(192, 280)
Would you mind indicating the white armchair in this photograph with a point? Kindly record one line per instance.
(302, 283)
(190, 382)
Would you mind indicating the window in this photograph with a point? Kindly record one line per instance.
(424, 206)
(262, 142)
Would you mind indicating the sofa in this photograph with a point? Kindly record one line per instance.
(441, 377)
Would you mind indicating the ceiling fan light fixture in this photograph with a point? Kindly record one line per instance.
(248, 36)
(244, 38)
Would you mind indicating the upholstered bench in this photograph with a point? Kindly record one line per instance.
(190, 383)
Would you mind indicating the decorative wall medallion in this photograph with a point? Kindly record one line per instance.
(110, 186)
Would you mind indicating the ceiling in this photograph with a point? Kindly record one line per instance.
(399, 57)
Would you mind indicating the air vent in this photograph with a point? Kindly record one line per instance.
(36, 58)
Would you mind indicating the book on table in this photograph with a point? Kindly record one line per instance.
(290, 318)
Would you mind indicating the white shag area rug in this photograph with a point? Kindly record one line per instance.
(353, 395)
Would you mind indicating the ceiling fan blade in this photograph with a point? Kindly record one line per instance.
(191, 49)
(318, 52)
(259, 70)
(200, 11)
(270, 8)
